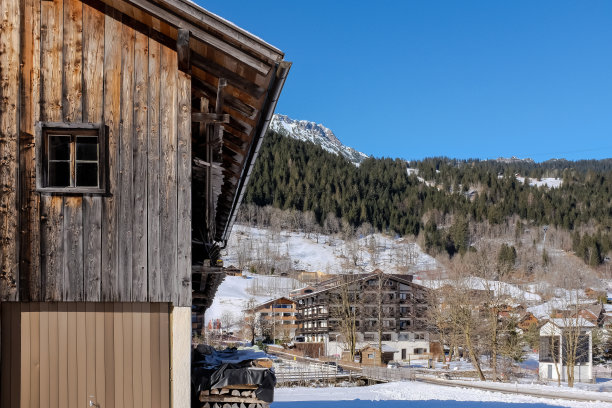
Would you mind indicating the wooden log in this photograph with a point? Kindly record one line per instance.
(226, 405)
(235, 393)
(224, 391)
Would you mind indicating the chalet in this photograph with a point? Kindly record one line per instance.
(527, 321)
(277, 318)
(369, 354)
(128, 131)
(376, 303)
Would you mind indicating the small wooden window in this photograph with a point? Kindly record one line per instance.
(71, 158)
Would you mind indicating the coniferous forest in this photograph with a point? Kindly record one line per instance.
(295, 175)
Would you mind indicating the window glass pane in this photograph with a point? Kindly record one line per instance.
(87, 148)
(59, 147)
(87, 174)
(59, 174)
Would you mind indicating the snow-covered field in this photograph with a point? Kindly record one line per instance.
(416, 395)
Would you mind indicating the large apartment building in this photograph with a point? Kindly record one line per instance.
(277, 319)
(365, 307)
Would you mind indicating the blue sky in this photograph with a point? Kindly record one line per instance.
(464, 79)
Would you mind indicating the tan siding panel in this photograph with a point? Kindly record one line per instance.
(72, 356)
(62, 342)
(25, 363)
(54, 370)
(35, 355)
(100, 375)
(164, 352)
(128, 372)
(109, 354)
(90, 346)
(119, 355)
(45, 369)
(81, 350)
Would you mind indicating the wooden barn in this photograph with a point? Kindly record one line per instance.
(128, 131)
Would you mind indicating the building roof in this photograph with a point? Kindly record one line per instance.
(573, 322)
(215, 51)
(273, 301)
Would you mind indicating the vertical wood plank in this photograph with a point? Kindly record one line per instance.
(92, 244)
(128, 372)
(25, 336)
(93, 81)
(126, 203)
(112, 97)
(90, 345)
(35, 355)
(62, 332)
(139, 242)
(9, 139)
(184, 190)
(109, 355)
(51, 44)
(100, 375)
(137, 353)
(16, 350)
(168, 170)
(164, 352)
(146, 355)
(73, 250)
(72, 92)
(72, 356)
(54, 370)
(119, 355)
(45, 369)
(29, 242)
(52, 247)
(156, 385)
(153, 174)
(81, 350)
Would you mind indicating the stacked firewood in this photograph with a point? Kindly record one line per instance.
(232, 396)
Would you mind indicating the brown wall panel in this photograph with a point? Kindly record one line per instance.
(59, 354)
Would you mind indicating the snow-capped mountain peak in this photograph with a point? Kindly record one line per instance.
(317, 134)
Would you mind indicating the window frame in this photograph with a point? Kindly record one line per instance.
(72, 129)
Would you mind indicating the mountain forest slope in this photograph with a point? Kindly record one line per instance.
(443, 200)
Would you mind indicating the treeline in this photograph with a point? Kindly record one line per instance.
(291, 174)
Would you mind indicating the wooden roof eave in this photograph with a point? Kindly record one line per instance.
(276, 86)
(199, 16)
(199, 31)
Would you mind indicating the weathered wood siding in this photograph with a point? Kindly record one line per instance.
(60, 354)
(82, 61)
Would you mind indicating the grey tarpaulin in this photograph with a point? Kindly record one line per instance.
(216, 369)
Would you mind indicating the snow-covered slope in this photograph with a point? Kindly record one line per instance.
(318, 252)
(317, 134)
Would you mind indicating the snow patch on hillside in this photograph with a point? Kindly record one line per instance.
(550, 182)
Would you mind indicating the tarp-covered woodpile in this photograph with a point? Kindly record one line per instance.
(233, 377)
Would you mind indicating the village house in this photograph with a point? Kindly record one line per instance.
(128, 132)
(393, 300)
(558, 338)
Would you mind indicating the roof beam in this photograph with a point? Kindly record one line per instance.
(208, 65)
(200, 34)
